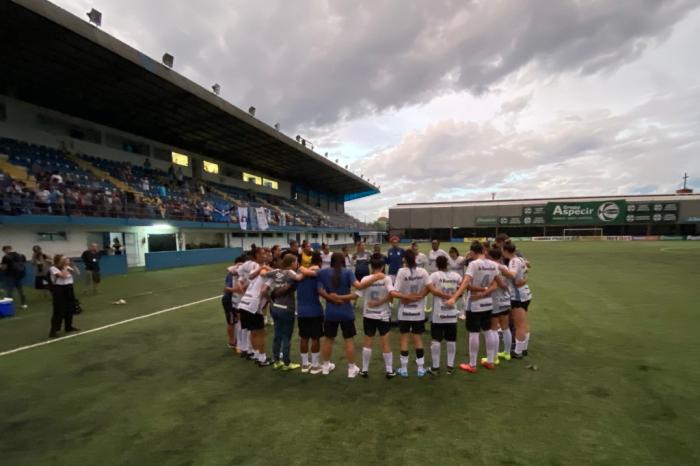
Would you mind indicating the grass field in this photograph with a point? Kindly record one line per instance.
(614, 334)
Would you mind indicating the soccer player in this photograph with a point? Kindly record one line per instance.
(361, 261)
(456, 263)
(253, 303)
(442, 284)
(229, 301)
(434, 253)
(394, 258)
(310, 316)
(335, 286)
(281, 287)
(500, 317)
(520, 297)
(325, 256)
(306, 251)
(376, 314)
(479, 280)
(410, 288)
(421, 259)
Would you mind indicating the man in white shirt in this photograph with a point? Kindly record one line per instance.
(421, 259)
(434, 253)
(325, 256)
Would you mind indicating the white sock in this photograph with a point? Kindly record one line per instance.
(404, 362)
(388, 361)
(255, 354)
(304, 359)
(246, 339)
(237, 332)
(315, 358)
(366, 356)
(473, 348)
(435, 354)
(527, 341)
(262, 357)
(491, 337)
(519, 346)
(420, 362)
(507, 340)
(451, 351)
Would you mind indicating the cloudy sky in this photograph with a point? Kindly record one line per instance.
(452, 99)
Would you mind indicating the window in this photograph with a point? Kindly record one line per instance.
(271, 184)
(53, 236)
(210, 167)
(249, 178)
(181, 159)
(314, 235)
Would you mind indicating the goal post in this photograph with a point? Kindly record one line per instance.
(584, 233)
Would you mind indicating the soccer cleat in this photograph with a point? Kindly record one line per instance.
(305, 368)
(231, 346)
(515, 355)
(524, 352)
(250, 357)
(450, 370)
(353, 370)
(434, 371)
(421, 372)
(292, 366)
(327, 368)
(53, 335)
(72, 329)
(391, 375)
(238, 350)
(315, 370)
(265, 363)
(364, 374)
(504, 355)
(402, 372)
(467, 367)
(244, 355)
(487, 365)
(495, 361)
(278, 365)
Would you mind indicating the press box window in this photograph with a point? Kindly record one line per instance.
(271, 184)
(180, 159)
(249, 178)
(210, 167)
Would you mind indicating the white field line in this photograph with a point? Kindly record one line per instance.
(104, 327)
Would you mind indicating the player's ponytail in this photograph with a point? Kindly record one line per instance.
(337, 264)
(410, 258)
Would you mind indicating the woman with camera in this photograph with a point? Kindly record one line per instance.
(61, 276)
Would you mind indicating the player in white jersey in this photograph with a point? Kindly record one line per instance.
(253, 303)
(520, 297)
(376, 316)
(229, 300)
(500, 317)
(325, 256)
(410, 287)
(434, 253)
(442, 284)
(456, 263)
(480, 280)
(421, 259)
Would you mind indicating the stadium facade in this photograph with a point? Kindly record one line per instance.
(172, 164)
(634, 216)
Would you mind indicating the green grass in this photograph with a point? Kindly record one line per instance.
(614, 334)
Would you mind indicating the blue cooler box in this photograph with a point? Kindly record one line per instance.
(7, 307)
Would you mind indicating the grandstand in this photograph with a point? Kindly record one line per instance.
(625, 217)
(99, 141)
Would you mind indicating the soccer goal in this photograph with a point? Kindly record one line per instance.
(584, 233)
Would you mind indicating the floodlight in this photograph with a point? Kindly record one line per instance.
(168, 60)
(298, 138)
(251, 110)
(216, 88)
(277, 126)
(95, 17)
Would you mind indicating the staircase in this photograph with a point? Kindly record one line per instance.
(17, 172)
(100, 174)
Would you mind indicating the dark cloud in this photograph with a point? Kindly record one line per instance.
(311, 63)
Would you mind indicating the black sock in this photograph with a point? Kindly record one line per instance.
(419, 353)
(404, 353)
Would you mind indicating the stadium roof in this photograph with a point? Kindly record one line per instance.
(544, 200)
(54, 59)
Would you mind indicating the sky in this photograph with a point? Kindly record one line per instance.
(451, 99)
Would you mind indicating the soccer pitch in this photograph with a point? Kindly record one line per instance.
(614, 336)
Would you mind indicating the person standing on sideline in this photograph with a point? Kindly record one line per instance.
(91, 259)
(41, 263)
(117, 246)
(325, 256)
(61, 276)
(434, 253)
(361, 261)
(14, 268)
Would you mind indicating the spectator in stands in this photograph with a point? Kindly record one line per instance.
(117, 247)
(86, 205)
(91, 259)
(147, 165)
(70, 200)
(13, 267)
(145, 185)
(41, 200)
(64, 302)
(56, 179)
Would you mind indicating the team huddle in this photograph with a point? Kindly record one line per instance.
(488, 288)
